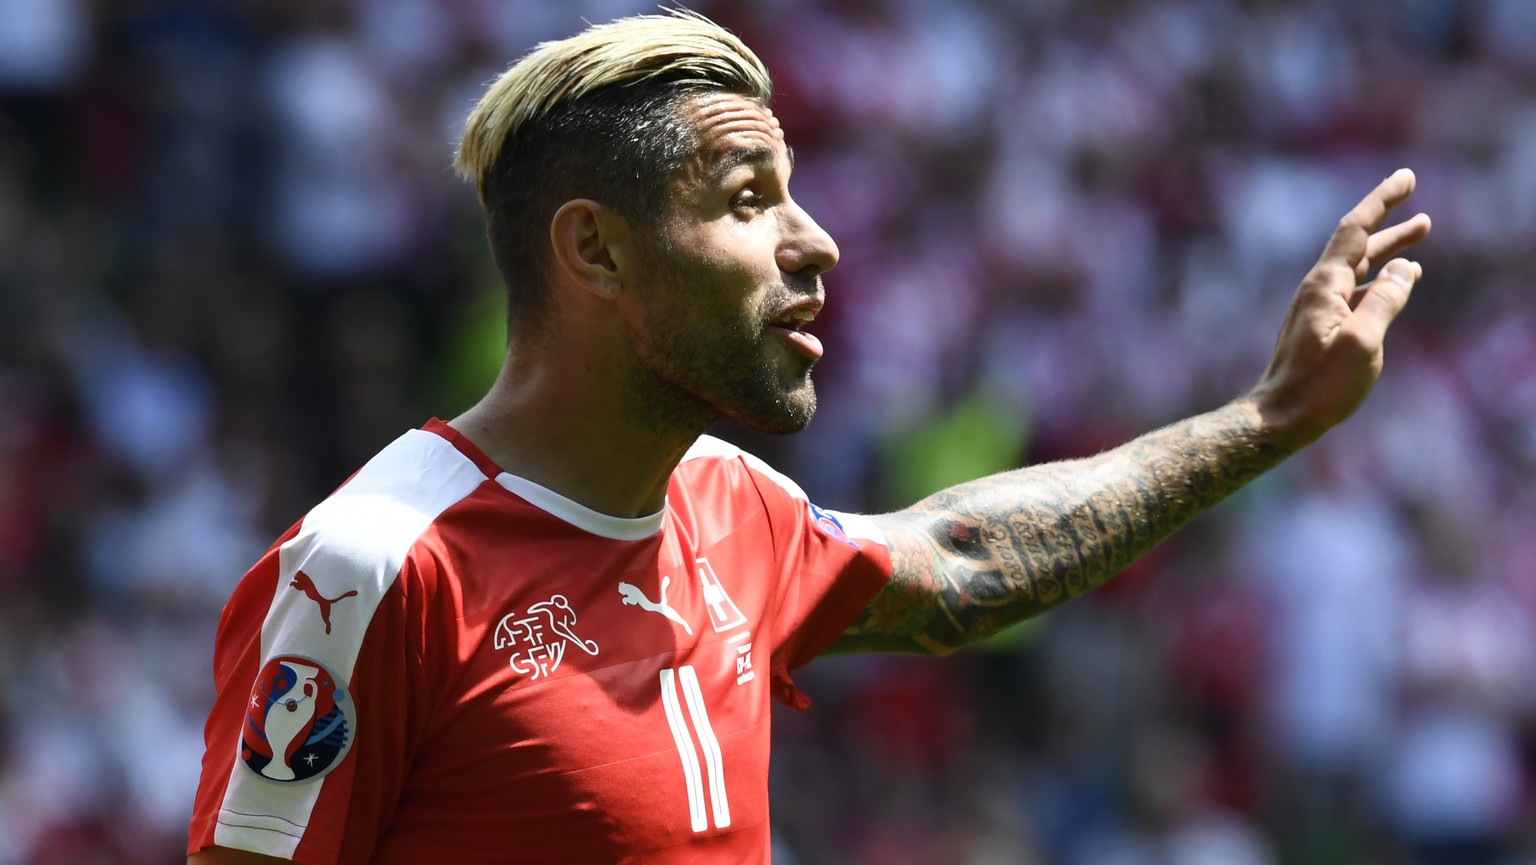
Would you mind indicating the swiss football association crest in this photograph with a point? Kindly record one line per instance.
(299, 722)
(539, 637)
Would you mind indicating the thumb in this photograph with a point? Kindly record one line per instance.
(1384, 298)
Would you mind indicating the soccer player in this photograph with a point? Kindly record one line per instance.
(550, 629)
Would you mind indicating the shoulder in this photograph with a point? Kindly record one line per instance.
(710, 453)
(366, 529)
(775, 487)
(319, 591)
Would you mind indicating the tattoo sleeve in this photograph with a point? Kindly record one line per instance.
(977, 557)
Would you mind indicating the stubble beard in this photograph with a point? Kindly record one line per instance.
(732, 373)
(734, 376)
(768, 400)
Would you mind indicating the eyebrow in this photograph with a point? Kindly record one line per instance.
(758, 155)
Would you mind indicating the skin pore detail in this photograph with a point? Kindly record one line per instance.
(975, 558)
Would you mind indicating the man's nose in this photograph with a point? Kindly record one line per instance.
(806, 249)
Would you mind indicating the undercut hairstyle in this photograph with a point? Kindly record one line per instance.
(593, 116)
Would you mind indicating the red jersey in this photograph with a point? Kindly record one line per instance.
(445, 662)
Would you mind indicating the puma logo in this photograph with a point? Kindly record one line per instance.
(634, 597)
(303, 583)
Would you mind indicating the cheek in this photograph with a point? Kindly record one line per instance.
(731, 279)
(721, 272)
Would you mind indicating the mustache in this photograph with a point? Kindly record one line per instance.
(794, 290)
(801, 286)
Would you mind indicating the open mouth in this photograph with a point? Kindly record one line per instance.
(796, 318)
(792, 323)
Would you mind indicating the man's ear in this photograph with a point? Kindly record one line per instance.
(590, 244)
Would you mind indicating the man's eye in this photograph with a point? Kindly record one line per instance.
(747, 200)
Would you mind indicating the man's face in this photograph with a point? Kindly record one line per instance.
(733, 274)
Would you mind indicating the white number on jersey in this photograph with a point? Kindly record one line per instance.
(694, 698)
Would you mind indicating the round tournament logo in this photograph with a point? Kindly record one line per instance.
(830, 525)
(299, 721)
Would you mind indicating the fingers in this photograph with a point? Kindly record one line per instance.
(1350, 241)
(1381, 300)
(1389, 193)
(1392, 240)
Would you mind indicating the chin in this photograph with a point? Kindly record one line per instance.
(781, 414)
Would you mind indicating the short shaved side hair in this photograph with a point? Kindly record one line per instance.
(593, 116)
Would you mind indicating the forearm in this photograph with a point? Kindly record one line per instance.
(977, 557)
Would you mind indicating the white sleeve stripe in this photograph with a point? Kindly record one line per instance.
(860, 526)
(254, 823)
(357, 541)
(256, 834)
(350, 550)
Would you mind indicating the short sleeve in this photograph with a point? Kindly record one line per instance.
(307, 741)
(831, 565)
(318, 665)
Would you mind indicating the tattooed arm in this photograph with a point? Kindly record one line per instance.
(977, 557)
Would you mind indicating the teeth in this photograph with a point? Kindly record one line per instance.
(803, 315)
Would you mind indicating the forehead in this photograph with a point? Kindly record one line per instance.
(732, 129)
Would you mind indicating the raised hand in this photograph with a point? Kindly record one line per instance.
(978, 556)
(1329, 353)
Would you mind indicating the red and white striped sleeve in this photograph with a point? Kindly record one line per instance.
(317, 653)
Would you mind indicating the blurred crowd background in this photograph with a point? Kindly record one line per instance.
(234, 262)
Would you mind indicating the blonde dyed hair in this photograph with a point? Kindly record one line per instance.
(680, 48)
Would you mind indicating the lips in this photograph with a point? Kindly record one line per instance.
(790, 326)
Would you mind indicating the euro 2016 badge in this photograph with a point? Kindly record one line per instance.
(299, 721)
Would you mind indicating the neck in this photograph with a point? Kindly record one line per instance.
(566, 422)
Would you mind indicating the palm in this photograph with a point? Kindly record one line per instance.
(1329, 353)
